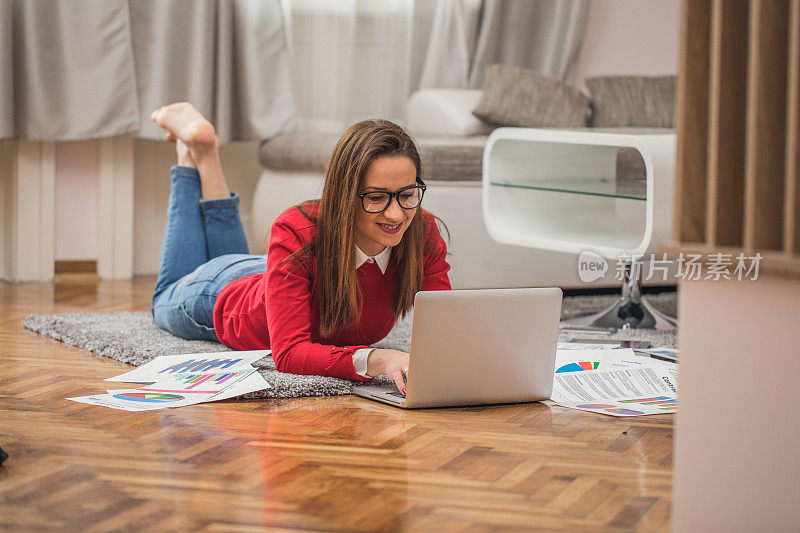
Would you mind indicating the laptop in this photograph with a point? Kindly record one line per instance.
(475, 347)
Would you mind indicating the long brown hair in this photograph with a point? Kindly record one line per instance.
(334, 248)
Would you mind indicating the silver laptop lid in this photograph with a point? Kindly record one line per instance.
(483, 346)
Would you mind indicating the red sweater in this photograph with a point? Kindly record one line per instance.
(279, 309)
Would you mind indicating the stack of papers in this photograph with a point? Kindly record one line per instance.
(178, 380)
(614, 381)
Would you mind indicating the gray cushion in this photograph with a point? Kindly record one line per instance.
(298, 151)
(443, 158)
(452, 159)
(632, 101)
(520, 97)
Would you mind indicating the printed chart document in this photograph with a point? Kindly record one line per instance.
(166, 365)
(187, 379)
(615, 382)
(658, 405)
(175, 391)
(182, 389)
(608, 384)
(179, 391)
(108, 400)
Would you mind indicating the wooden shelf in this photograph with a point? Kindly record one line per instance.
(738, 121)
(772, 263)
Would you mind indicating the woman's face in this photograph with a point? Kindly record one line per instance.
(376, 231)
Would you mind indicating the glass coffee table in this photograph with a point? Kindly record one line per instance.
(608, 194)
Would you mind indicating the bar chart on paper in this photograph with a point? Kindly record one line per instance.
(193, 384)
(664, 403)
(630, 406)
(166, 366)
(222, 380)
(608, 408)
(201, 365)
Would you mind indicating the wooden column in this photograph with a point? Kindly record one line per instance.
(791, 233)
(27, 181)
(726, 128)
(691, 121)
(766, 125)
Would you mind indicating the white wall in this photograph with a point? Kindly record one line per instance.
(630, 37)
(77, 173)
(76, 199)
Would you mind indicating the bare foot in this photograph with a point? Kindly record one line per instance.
(186, 123)
(197, 145)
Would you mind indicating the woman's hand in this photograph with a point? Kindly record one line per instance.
(393, 363)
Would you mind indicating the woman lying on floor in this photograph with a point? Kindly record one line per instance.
(339, 271)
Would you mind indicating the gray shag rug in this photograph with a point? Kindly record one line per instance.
(133, 337)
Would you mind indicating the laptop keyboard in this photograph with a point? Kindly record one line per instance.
(398, 394)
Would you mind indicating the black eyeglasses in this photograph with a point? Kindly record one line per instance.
(378, 201)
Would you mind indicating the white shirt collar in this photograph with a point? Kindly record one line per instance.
(382, 259)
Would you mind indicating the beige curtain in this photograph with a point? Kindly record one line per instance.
(354, 59)
(462, 37)
(348, 60)
(542, 35)
(6, 71)
(76, 69)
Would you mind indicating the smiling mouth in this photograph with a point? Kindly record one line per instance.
(390, 229)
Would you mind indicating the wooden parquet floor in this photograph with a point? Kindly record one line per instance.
(330, 464)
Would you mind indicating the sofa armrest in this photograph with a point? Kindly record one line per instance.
(445, 112)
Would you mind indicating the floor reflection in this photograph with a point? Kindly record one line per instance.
(327, 463)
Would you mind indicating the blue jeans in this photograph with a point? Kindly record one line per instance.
(204, 249)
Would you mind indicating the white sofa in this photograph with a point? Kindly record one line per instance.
(450, 140)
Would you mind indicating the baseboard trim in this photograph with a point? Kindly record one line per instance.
(76, 267)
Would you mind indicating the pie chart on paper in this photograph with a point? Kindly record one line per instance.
(149, 397)
(579, 366)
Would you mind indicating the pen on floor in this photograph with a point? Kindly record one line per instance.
(594, 330)
(657, 356)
